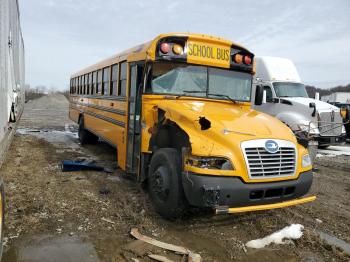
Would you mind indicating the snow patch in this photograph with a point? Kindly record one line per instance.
(293, 231)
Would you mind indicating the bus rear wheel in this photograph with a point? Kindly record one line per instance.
(165, 184)
(85, 136)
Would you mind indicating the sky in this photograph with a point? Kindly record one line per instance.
(64, 36)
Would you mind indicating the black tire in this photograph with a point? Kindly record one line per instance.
(85, 136)
(165, 184)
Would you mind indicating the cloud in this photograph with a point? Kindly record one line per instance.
(62, 36)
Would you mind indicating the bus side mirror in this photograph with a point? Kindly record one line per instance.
(259, 95)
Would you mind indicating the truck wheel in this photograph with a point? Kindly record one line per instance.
(85, 136)
(165, 184)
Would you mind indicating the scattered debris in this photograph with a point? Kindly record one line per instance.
(334, 241)
(192, 257)
(105, 191)
(107, 220)
(79, 165)
(319, 221)
(293, 231)
(160, 258)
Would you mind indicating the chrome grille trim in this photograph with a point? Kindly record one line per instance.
(263, 165)
(328, 126)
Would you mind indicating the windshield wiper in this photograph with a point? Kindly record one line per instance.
(226, 96)
(190, 92)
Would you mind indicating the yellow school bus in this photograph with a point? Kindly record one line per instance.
(178, 111)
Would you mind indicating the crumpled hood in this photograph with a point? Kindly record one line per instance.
(233, 121)
(305, 101)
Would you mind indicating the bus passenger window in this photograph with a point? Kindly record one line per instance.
(81, 85)
(99, 82)
(85, 84)
(89, 83)
(79, 90)
(93, 88)
(105, 84)
(114, 79)
(122, 81)
(268, 93)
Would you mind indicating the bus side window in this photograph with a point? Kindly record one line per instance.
(105, 83)
(79, 85)
(114, 80)
(85, 84)
(87, 77)
(90, 84)
(122, 81)
(93, 89)
(269, 96)
(99, 82)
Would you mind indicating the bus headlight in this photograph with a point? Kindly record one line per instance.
(306, 160)
(209, 162)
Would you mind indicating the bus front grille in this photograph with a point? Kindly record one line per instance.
(262, 164)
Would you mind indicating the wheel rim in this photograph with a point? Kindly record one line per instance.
(161, 183)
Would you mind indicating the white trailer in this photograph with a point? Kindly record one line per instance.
(11, 68)
(287, 99)
(337, 97)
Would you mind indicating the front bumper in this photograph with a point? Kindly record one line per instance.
(331, 140)
(216, 191)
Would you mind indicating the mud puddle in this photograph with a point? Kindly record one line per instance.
(51, 248)
(66, 139)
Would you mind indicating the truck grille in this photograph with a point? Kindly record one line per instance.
(262, 164)
(328, 125)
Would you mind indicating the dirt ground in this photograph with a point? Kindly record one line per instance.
(87, 216)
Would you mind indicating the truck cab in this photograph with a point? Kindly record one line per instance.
(286, 98)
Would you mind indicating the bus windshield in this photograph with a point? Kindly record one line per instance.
(200, 81)
(284, 89)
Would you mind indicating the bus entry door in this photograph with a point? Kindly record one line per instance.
(134, 119)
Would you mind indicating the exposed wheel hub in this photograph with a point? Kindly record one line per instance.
(161, 182)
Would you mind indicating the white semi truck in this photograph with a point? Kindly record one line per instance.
(314, 122)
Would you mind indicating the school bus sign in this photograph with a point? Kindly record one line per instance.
(209, 54)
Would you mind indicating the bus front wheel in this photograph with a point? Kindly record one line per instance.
(85, 136)
(165, 185)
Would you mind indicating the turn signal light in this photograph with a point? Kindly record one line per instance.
(178, 49)
(238, 59)
(165, 48)
(247, 60)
